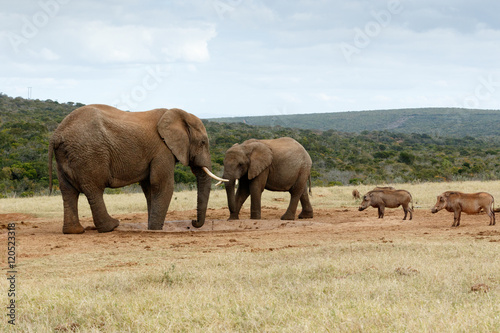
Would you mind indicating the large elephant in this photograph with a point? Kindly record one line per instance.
(99, 146)
(276, 165)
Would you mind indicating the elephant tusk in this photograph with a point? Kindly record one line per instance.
(220, 182)
(208, 172)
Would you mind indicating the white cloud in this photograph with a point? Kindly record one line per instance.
(326, 97)
(302, 16)
(254, 58)
(104, 43)
(45, 54)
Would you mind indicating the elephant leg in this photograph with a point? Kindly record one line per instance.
(161, 191)
(307, 210)
(256, 189)
(160, 201)
(296, 194)
(102, 220)
(71, 224)
(146, 189)
(292, 207)
(242, 193)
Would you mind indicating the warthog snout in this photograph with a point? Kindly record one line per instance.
(434, 210)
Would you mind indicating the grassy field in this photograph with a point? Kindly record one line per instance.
(126, 282)
(424, 196)
(401, 287)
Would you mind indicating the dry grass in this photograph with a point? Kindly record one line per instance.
(408, 285)
(328, 288)
(424, 196)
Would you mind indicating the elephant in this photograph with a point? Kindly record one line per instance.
(98, 146)
(276, 165)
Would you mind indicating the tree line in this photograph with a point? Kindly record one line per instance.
(339, 158)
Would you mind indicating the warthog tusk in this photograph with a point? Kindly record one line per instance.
(208, 172)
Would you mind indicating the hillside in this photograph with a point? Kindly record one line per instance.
(368, 157)
(25, 129)
(374, 157)
(449, 122)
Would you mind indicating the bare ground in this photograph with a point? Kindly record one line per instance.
(41, 237)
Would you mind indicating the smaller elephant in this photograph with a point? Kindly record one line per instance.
(276, 165)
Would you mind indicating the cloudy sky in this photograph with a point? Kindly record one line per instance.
(218, 58)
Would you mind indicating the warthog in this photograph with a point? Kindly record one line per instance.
(355, 194)
(381, 198)
(469, 203)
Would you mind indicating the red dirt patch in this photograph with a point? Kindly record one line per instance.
(40, 237)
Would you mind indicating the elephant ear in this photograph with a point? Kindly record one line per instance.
(173, 128)
(261, 157)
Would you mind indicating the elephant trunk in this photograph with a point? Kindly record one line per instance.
(231, 199)
(203, 182)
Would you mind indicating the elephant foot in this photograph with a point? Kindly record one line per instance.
(306, 215)
(288, 216)
(73, 229)
(233, 217)
(108, 226)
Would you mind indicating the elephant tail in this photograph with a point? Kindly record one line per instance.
(310, 188)
(51, 152)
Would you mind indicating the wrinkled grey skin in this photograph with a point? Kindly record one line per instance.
(99, 146)
(276, 165)
(382, 198)
(469, 203)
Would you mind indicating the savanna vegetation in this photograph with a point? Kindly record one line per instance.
(25, 128)
(339, 158)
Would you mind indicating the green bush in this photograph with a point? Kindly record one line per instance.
(338, 158)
